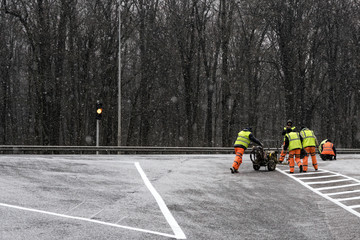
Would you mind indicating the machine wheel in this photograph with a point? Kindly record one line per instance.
(271, 165)
(256, 167)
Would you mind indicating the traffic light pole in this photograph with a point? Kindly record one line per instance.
(99, 111)
(97, 134)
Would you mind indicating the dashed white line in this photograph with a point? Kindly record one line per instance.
(73, 208)
(92, 216)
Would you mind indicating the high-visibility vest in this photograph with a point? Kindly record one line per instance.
(294, 140)
(243, 139)
(328, 149)
(292, 129)
(321, 144)
(308, 138)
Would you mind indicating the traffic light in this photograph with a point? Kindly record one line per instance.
(99, 110)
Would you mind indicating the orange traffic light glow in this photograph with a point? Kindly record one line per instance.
(99, 110)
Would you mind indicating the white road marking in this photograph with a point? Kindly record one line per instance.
(339, 186)
(121, 219)
(347, 199)
(92, 216)
(85, 219)
(164, 209)
(340, 193)
(327, 176)
(179, 234)
(317, 190)
(73, 208)
(329, 181)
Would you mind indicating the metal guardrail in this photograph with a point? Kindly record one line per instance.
(39, 149)
(20, 149)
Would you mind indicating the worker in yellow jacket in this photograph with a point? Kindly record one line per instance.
(289, 125)
(241, 144)
(293, 143)
(309, 143)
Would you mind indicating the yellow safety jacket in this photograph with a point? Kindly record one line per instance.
(292, 129)
(243, 139)
(294, 140)
(308, 137)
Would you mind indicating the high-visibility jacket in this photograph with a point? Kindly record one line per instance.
(294, 140)
(308, 137)
(292, 129)
(243, 139)
(321, 144)
(285, 131)
(328, 149)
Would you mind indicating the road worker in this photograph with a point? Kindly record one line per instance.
(289, 125)
(241, 144)
(293, 143)
(309, 143)
(327, 150)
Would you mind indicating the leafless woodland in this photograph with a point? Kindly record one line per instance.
(193, 72)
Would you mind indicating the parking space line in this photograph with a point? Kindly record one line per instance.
(87, 220)
(164, 209)
(178, 233)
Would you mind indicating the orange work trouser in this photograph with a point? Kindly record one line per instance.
(296, 153)
(312, 152)
(282, 155)
(238, 158)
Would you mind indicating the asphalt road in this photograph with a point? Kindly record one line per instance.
(108, 197)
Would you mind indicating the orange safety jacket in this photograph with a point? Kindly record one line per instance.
(328, 149)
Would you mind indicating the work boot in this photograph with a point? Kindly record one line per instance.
(233, 170)
(301, 168)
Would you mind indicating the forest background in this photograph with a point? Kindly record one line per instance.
(193, 72)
